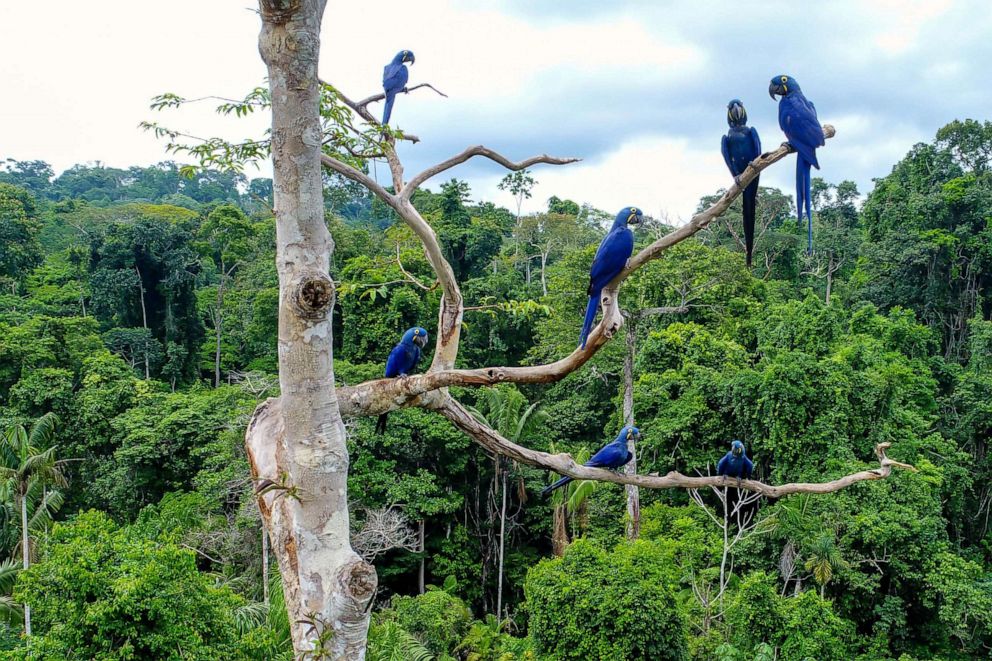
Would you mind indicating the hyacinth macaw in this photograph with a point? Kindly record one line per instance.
(740, 146)
(613, 455)
(735, 463)
(402, 361)
(394, 78)
(797, 117)
(610, 259)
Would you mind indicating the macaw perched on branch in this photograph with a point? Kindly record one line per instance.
(613, 455)
(610, 259)
(735, 463)
(797, 117)
(740, 146)
(402, 360)
(394, 78)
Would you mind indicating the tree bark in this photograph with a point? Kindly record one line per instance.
(25, 557)
(144, 319)
(633, 495)
(502, 542)
(265, 565)
(421, 573)
(218, 327)
(296, 443)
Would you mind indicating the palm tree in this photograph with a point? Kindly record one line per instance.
(506, 410)
(569, 503)
(824, 559)
(10, 612)
(27, 473)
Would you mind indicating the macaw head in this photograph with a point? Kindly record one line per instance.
(628, 433)
(736, 115)
(737, 448)
(628, 216)
(416, 335)
(403, 57)
(782, 86)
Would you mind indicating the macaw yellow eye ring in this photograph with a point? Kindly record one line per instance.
(416, 332)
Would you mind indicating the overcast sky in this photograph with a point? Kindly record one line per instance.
(637, 89)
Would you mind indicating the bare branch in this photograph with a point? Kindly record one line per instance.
(480, 150)
(380, 396)
(406, 90)
(360, 177)
(565, 465)
(384, 529)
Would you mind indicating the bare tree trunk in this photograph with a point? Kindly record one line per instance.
(25, 557)
(144, 319)
(218, 327)
(421, 574)
(502, 545)
(265, 565)
(296, 443)
(559, 532)
(544, 280)
(633, 495)
(830, 277)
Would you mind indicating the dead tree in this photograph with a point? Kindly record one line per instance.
(296, 442)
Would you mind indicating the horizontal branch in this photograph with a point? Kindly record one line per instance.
(480, 150)
(565, 465)
(406, 90)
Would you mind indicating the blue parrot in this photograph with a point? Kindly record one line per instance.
(402, 360)
(735, 463)
(610, 259)
(797, 117)
(612, 455)
(740, 146)
(394, 77)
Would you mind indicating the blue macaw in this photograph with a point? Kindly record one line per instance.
(797, 117)
(402, 360)
(613, 455)
(740, 146)
(735, 463)
(394, 77)
(610, 259)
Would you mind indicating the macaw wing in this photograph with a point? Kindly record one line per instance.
(395, 77)
(612, 256)
(725, 150)
(748, 467)
(798, 120)
(396, 363)
(608, 456)
(723, 467)
(755, 143)
(415, 357)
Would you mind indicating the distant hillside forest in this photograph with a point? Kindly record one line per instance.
(138, 331)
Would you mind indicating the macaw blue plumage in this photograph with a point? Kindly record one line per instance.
(402, 360)
(611, 257)
(735, 463)
(797, 117)
(740, 146)
(394, 78)
(613, 455)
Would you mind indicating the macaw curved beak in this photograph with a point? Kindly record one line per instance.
(738, 451)
(412, 60)
(633, 219)
(777, 88)
(420, 340)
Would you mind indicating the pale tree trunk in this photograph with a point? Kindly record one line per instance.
(144, 319)
(421, 578)
(633, 495)
(544, 263)
(265, 566)
(218, 328)
(559, 531)
(25, 557)
(502, 543)
(296, 443)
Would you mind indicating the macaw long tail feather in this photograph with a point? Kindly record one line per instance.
(560, 483)
(750, 207)
(388, 110)
(380, 424)
(591, 310)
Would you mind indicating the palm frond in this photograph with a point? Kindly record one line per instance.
(391, 642)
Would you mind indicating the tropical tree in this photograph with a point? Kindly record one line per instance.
(825, 559)
(28, 469)
(507, 411)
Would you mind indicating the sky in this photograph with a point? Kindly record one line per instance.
(635, 88)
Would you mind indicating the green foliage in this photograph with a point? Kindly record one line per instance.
(103, 592)
(598, 604)
(437, 619)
